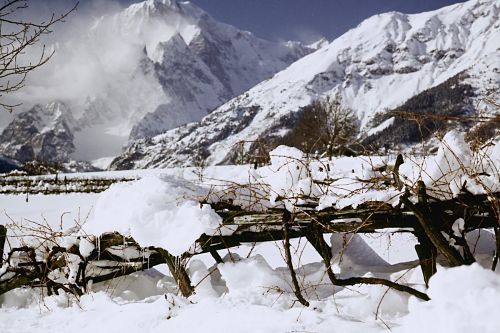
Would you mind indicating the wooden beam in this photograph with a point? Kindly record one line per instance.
(426, 252)
(3, 239)
(423, 214)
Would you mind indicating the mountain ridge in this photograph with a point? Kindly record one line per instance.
(153, 66)
(374, 67)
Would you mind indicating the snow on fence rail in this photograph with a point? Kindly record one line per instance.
(56, 184)
(111, 255)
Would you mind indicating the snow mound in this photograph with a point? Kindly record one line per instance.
(248, 275)
(288, 175)
(446, 169)
(155, 211)
(463, 299)
(455, 167)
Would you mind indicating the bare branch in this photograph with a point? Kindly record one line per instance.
(17, 37)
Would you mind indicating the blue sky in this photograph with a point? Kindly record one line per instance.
(299, 19)
(277, 19)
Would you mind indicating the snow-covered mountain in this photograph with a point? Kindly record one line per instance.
(200, 63)
(42, 133)
(379, 65)
(151, 67)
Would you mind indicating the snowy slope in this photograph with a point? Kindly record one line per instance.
(376, 66)
(153, 66)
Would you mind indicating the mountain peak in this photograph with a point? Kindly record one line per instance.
(155, 5)
(148, 68)
(163, 9)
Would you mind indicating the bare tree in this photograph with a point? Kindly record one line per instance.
(326, 127)
(18, 36)
(341, 126)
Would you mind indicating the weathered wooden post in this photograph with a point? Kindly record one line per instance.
(178, 271)
(426, 252)
(423, 214)
(3, 238)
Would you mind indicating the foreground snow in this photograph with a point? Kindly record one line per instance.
(251, 291)
(464, 299)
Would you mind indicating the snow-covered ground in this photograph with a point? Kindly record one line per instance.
(251, 291)
(464, 299)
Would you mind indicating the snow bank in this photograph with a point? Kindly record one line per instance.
(463, 299)
(155, 211)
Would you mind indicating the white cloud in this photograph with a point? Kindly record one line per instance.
(94, 56)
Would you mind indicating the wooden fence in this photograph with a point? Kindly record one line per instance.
(431, 221)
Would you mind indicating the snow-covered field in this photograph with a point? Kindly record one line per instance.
(251, 291)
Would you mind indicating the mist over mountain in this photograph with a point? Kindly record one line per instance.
(145, 69)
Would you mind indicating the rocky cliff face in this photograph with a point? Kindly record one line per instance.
(42, 133)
